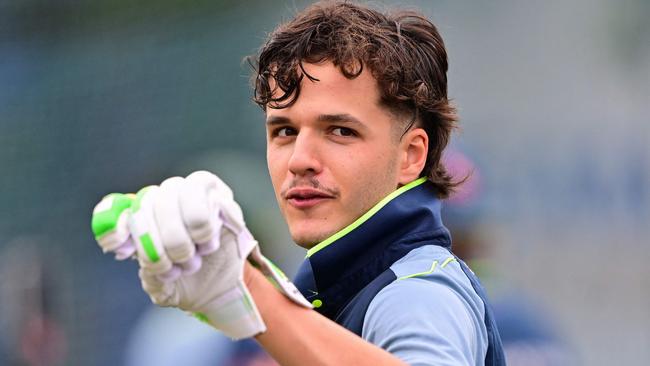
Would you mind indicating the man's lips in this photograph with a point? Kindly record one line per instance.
(304, 198)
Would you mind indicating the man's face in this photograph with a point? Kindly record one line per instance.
(332, 155)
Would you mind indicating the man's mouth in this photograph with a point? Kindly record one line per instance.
(305, 198)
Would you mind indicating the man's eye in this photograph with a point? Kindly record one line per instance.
(284, 132)
(343, 131)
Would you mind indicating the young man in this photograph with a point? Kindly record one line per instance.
(357, 117)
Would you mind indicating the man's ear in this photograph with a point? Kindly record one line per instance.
(414, 147)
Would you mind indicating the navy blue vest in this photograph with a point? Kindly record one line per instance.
(343, 277)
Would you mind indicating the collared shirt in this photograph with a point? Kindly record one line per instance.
(390, 278)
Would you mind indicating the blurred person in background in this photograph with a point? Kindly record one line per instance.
(528, 331)
(32, 303)
(357, 119)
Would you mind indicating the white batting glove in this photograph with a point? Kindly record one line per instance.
(191, 243)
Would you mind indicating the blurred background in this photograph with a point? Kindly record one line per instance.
(98, 96)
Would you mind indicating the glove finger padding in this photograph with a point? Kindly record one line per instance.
(199, 210)
(142, 225)
(167, 213)
(110, 225)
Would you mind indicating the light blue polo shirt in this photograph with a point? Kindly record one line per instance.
(430, 312)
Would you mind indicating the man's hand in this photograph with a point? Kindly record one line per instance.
(191, 243)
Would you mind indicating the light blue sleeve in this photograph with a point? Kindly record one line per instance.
(433, 319)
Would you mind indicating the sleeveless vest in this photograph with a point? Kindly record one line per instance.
(342, 278)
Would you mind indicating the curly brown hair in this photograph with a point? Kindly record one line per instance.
(403, 50)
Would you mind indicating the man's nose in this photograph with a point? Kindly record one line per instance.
(305, 158)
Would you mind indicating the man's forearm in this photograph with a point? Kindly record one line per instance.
(298, 336)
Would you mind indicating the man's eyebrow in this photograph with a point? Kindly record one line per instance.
(277, 120)
(338, 118)
(329, 118)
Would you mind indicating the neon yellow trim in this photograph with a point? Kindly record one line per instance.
(433, 267)
(346, 230)
(317, 303)
(447, 261)
(202, 317)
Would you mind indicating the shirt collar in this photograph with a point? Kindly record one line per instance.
(341, 265)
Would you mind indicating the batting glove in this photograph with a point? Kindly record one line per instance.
(190, 240)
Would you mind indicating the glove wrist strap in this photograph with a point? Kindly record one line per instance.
(279, 278)
(234, 313)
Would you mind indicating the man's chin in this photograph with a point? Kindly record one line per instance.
(309, 240)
